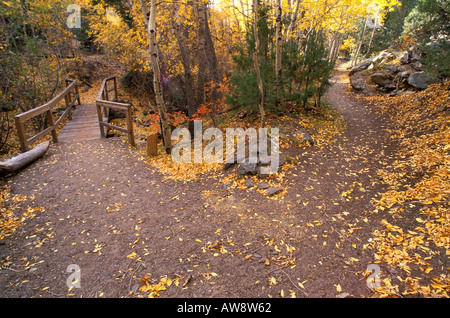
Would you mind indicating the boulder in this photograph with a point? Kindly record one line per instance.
(358, 83)
(368, 64)
(404, 74)
(419, 80)
(381, 79)
(393, 68)
(383, 57)
(360, 67)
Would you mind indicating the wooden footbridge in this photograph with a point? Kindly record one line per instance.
(86, 121)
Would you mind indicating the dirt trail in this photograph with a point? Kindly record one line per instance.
(113, 216)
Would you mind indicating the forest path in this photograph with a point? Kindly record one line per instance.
(124, 225)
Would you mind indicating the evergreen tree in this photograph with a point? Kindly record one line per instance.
(244, 91)
(305, 76)
(429, 23)
(315, 69)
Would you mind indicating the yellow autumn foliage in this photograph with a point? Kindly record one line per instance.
(419, 180)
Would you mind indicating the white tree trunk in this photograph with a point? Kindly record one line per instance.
(293, 20)
(373, 33)
(151, 30)
(355, 61)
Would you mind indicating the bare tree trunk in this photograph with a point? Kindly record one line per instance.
(337, 47)
(201, 76)
(331, 45)
(293, 20)
(256, 62)
(278, 53)
(212, 65)
(186, 61)
(355, 59)
(371, 37)
(151, 30)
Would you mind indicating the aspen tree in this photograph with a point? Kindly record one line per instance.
(150, 20)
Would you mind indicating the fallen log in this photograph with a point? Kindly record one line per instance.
(15, 164)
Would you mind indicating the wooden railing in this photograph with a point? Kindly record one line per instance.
(104, 104)
(47, 108)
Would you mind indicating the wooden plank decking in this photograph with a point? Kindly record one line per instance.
(83, 126)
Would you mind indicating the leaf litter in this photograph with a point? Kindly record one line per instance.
(271, 244)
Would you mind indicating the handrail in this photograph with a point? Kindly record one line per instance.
(47, 108)
(104, 104)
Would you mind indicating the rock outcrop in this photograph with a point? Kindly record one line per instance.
(404, 77)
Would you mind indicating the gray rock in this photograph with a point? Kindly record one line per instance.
(417, 66)
(406, 92)
(273, 190)
(263, 185)
(261, 173)
(404, 74)
(380, 79)
(228, 165)
(360, 67)
(248, 168)
(263, 161)
(383, 57)
(306, 137)
(419, 80)
(393, 68)
(357, 83)
(249, 183)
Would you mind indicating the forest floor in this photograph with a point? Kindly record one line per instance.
(134, 233)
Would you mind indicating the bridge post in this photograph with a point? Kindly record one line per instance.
(21, 134)
(78, 93)
(152, 145)
(51, 123)
(115, 88)
(130, 126)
